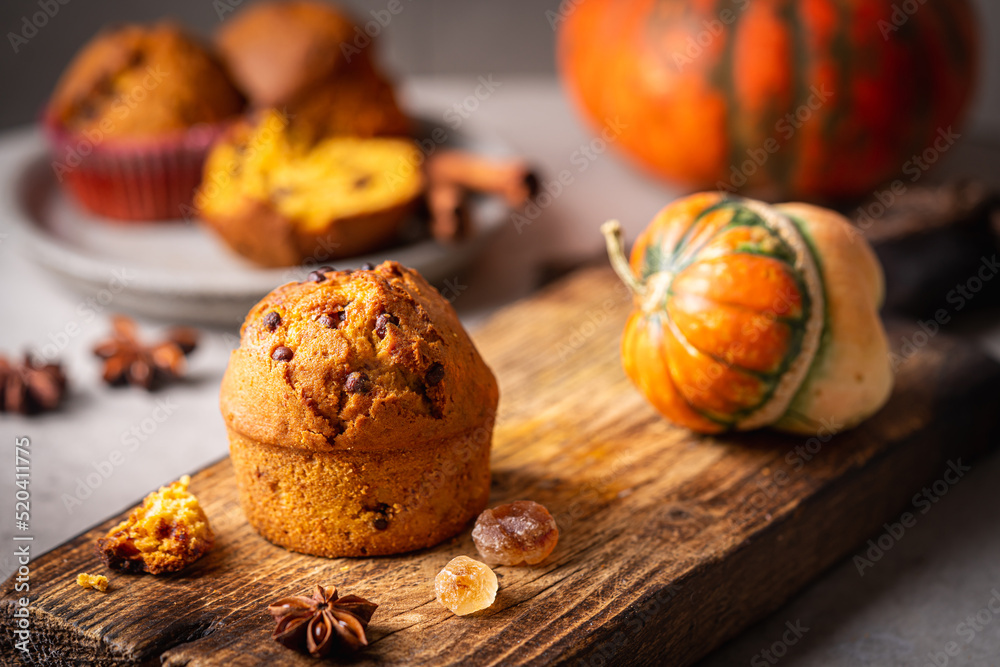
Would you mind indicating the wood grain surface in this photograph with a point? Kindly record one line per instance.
(670, 543)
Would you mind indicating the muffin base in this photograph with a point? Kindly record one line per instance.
(261, 234)
(363, 503)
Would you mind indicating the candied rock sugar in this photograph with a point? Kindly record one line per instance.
(518, 533)
(465, 586)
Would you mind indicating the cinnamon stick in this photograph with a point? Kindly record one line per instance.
(449, 213)
(510, 178)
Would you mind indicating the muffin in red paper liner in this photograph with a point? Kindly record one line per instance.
(132, 118)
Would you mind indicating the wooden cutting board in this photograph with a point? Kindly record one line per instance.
(670, 543)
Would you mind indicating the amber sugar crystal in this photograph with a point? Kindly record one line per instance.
(518, 533)
(465, 586)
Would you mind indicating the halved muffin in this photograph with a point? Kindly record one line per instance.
(281, 202)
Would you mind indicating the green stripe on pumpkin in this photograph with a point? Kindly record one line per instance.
(797, 325)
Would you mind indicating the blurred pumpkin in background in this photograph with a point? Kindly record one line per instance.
(803, 99)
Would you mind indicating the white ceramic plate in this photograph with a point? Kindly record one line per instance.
(179, 271)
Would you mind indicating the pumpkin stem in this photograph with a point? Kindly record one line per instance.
(615, 239)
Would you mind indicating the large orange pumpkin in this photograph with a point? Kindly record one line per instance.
(813, 99)
(749, 315)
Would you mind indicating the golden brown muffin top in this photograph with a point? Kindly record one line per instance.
(277, 50)
(139, 81)
(372, 359)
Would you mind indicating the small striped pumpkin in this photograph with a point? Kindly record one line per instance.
(749, 315)
(785, 99)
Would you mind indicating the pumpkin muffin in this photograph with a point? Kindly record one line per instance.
(361, 103)
(278, 50)
(132, 118)
(300, 57)
(360, 415)
(138, 81)
(279, 202)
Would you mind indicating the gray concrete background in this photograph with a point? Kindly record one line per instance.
(427, 37)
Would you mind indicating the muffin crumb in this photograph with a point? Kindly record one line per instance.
(168, 532)
(96, 581)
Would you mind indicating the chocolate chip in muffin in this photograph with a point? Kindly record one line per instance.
(282, 353)
(358, 383)
(381, 520)
(332, 320)
(272, 320)
(434, 374)
(319, 275)
(382, 321)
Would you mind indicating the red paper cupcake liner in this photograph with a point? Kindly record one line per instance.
(140, 179)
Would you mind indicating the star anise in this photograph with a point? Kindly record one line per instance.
(128, 360)
(323, 624)
(31, 386)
